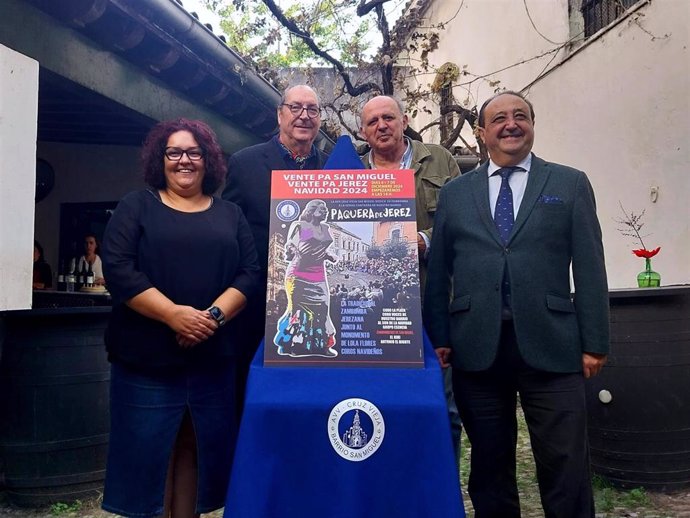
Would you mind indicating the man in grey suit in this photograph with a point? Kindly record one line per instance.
(498, 307)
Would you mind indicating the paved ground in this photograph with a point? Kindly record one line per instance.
(657, 505)
(676, 506)
(609, 502)
(661, 506)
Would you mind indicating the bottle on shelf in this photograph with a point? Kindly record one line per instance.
(80, 277)
(61, 285)
(90, 279)
(71, 278)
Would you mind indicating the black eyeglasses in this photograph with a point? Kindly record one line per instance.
(297, 109)
(175, 153)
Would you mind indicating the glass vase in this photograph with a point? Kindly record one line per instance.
(648, 278)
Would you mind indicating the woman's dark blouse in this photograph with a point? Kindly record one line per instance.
(191, 257)
(43, 273)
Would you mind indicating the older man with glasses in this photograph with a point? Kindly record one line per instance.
(249, 185)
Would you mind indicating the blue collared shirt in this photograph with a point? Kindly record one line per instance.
(405, 161)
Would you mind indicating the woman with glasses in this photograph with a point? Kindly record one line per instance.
(180, 264)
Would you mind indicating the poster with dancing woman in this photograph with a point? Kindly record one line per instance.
(343, 277)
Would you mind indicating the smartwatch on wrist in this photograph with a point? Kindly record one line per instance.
(217, 315)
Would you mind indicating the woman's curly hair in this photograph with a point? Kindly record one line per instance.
(153, 157)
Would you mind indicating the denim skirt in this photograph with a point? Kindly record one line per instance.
(146, 411)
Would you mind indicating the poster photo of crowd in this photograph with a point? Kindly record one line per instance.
(343, 283)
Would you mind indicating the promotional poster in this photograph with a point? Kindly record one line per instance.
(343, 278)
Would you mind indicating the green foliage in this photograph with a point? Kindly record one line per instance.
(637, 497)
(605, 500)
(249, 32)
(64, 509)
(604, 494)
(261, 39)
(606, 497)
(600, 483)
(366, 55)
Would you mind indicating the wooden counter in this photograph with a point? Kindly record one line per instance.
(45, 299)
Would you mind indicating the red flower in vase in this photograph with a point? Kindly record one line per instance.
(647, 254)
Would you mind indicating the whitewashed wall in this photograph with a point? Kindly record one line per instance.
(617, 107)
(486, 36)
(18, 115)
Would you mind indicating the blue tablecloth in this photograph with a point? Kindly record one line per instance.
(286, 467)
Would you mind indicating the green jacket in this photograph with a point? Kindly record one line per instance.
(433, 166)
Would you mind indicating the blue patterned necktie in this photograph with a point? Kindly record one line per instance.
(503, 214)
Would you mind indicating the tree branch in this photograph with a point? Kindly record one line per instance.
(467, 146)
(464, 113)
(343, 122)
(454, 134)
(386, 58)
(430, 125)
(365, 7)
(290, 25)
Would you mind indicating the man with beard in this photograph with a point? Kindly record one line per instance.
(249, 185)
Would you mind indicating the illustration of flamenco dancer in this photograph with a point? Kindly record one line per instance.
(306, 329)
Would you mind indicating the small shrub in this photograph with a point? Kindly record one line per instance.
(606, 497)
(63, 509)
(599, 482)
(637, 497)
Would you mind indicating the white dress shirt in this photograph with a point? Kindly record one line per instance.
(517, 182)
(97, 266)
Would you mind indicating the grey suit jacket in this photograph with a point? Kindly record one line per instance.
(556, 227)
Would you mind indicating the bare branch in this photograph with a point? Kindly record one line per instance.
(290, 25)
(467, 146)
(335, 109)
(387, 60)
(365, 7)
(464, 113)
(455, 133)
(429, 126)
(631, 225)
